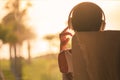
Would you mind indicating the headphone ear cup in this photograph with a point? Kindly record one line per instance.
(102, 25)
(70, 23)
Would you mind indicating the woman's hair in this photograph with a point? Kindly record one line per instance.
(86, 16)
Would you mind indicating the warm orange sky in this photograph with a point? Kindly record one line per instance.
(50, 16)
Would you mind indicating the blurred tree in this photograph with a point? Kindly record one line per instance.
(1, 75)
(1, 72)
(15, 31)
(52, 40)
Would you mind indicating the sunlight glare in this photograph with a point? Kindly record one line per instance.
(50, 17)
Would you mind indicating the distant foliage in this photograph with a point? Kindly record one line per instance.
(41, 68)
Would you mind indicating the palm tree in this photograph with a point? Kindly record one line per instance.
(52, 40)
(1, 38)
(1, 75)
(13, 22)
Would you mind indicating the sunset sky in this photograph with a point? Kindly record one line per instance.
(50, 17)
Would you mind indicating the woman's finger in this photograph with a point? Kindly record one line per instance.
(65, 34)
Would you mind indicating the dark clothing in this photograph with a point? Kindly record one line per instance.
(65, 64)
(67, 76)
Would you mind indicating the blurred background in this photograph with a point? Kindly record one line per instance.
(29, 35)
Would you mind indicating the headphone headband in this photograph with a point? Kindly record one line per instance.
(72, 10)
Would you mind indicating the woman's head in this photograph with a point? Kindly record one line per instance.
(86, 16)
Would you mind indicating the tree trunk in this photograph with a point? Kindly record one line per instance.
(11, 58)
(29, 54)
(17, 65)
(1, 75)
(10, 51)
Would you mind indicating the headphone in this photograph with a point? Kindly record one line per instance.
(103, 23)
